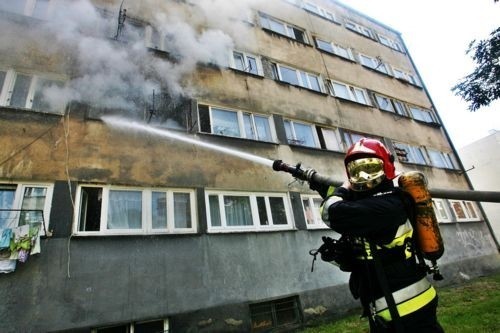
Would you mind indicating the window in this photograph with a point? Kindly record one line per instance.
(393, 44)
(464, 210)
(160, 325)
(299, 78)
(311, 204)
(353, 26)
(242, 211)
(313, 8)
(351, 138)
(283, 28)
(410, 154)
(441, 210)
(384, 103)
(422, 114)
(276, 315)
(400, 108)
(442, 160)
(330, 138)
(406, 76)
(236, 123)
(117, 210)
(23, 204)
(333, 48)
(374, 63)
(348, 92)
(301, 134)
(153, 38)
(246, 62)
(27, 91)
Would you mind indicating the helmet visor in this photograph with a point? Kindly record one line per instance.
(365, 169)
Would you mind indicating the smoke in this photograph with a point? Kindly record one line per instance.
(119, 72)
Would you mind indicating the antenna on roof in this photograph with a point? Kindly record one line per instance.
(122, 15)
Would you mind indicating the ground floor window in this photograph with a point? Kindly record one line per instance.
(277, 314)
(151, 326)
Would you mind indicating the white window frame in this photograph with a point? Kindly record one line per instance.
(441, 159)
(153, 38)
(314, 213)
(256, 225)
(389, 42)
(288, 29)
(374, 63)
(246, 56)
(303, 78)
(315, 9)
(336, 49)
(332, 139)
(241, 123)
(7, 90)
(412, 153)
(351, 138)
(421, 114)
(441, 210)
(131, 326)
(146, 211)
(384, 103)
(468, 208)
(406, 76)
(353, 93)
(18, 202)
(294, 139)
(351, 25)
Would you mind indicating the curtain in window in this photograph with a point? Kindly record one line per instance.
(238, 211)
(125, 210)
(277, 210)
(263, 128)
(214, 210)
(159, 210)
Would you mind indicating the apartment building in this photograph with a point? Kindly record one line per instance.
(137, 143)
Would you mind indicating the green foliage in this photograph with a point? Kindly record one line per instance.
(473, 307)
(482, 86)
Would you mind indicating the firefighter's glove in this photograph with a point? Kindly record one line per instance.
(323, 189)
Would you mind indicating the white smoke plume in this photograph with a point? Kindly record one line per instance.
(111, 73)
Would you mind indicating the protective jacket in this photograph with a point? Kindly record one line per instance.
(381, 217)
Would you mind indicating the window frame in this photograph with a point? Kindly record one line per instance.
(360, 29)
(19, 197)
(336, 49)
(442, 210)
(466, 207)
(351, 92)
(316, 216)
(406, 77)
(294, 140)
(447, 159)
(9, 84)
(289, 30)
(319, 11)
(256, 225)
(421, 114)
(326, 142)
(300, 75)
(411, 152)
(241, 123)
(246, 56)
(390, 42)
(146, 211)
(374, 64)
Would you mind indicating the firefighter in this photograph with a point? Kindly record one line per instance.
(374, 219)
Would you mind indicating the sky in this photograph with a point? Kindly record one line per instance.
(437, 34)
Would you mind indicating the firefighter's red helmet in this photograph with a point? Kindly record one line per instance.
(367, 163)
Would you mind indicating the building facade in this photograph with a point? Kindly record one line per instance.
(480, 158)
(137, 144)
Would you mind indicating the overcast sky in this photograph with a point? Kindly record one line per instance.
(437, 34)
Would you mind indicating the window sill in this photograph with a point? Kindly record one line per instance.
(300, 87)
(360, 34)
(336, 55)
(274, 33)
(221, 136)
(377, 71)
(353, 102)
(240, 72)
(408, 83)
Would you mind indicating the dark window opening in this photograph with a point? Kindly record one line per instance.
(90, 211)
(275, 314)
(204, 115)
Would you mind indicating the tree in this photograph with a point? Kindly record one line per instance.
(482, 86)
